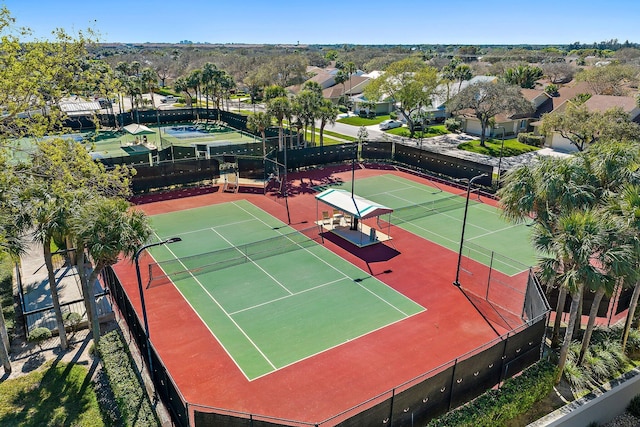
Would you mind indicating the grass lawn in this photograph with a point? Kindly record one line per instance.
(430, 132)
(493, 147)
(55, 395)
(361, 121)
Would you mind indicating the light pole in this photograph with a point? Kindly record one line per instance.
(500, 160)
(144, 308)
(464, 223)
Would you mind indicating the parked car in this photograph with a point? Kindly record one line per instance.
(390, 124)
(168, 99)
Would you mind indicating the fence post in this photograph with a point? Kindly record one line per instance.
(486, 297)
(393, 395)
(453, 379)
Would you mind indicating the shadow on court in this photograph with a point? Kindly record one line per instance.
(369, 254)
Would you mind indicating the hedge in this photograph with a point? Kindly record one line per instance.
(495, 407)
(127, 386)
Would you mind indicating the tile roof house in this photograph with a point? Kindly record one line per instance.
(509, 124)
(597, 103)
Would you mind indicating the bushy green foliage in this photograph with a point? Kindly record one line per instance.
(39, 335)
(495, 407)
(452, 125)
(634, 406)
(530, 139)
(72, 320)
(603, 360)
(551, 89)
(393, 115)
(127, 386)
(633, 342)
(6, 292)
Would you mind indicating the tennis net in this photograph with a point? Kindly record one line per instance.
(413, 212)
(178, 268)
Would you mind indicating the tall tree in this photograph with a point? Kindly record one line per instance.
(259, 122)
(279, 108)
(34, 76)
(149, 80)
(462, 73)
(543, 192)
(327, 114)
(613, 79)
(568, 258)
(626, 209)
(106, 228)
(409, 82)
(583, 127)
(487, 99)
(341, 78)
(524, 76)
(62, 178)
(307, 104)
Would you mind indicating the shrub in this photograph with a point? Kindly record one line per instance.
(551, 89)
(633, 342)
(393, 115)
(39, 336)
(452, 125)
(130, 394)
(634, 406)
(72, 320)
(495, 407)
(343, 108)
(530, 139)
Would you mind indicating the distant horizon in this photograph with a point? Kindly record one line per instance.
(356, 44)
(332, 22)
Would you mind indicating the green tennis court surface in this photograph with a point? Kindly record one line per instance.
(272, 296)
(437, 216)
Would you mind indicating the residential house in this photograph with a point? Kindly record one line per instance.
(444, 92)
(597, 103)
(509, 124)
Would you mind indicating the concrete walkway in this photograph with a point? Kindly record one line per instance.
(36, 293)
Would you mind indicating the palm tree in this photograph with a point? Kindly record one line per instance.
(461, 73)
(615, 261)
(193, 81)
(307, 103)
(106, 229)
(259, 122)
(279, 108)
(209, 78)
(49, 217)
(626, 208)
(327, 114)
(341, 77)
(180, 86)
(544, 191)
(350, 68)
(149, 80)
(569, 253)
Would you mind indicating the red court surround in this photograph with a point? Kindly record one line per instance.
(327, 384)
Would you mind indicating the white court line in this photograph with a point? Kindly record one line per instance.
(336, 269)
(288, 296)
(226, 313)
(253, 262)
(210, 228)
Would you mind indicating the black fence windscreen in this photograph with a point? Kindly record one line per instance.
(164, 385)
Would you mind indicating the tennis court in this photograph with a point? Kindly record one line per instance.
(437, 215)
(210, 134)
(270, 295)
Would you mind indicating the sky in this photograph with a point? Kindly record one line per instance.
(337, 22)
